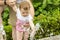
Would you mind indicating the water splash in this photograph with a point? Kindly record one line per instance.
(2, 33)
(37, 26)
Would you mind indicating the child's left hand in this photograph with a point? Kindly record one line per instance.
(26, 25)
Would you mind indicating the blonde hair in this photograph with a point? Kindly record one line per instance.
(24, 3)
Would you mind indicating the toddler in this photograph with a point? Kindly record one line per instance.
(24, 17)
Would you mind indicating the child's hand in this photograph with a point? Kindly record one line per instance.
(26, 25)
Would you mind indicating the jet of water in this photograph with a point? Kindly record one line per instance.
(4, 34)
(37, 26)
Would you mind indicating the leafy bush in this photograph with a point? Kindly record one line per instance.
(8, 30)
(47, 14)
(5, 16)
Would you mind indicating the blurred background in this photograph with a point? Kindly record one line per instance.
(47, 14)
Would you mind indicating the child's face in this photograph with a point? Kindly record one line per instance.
(25, 10)
(25, 13)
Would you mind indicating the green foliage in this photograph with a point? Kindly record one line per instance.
(48, 15)
(5, 16)
(8, 30)
(7, 27)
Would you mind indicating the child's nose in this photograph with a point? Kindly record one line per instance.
(25, 14)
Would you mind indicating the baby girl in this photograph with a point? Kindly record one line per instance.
(24, 17)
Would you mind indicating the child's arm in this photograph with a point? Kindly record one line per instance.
(31, 24)
(33, 30)
(31, 8)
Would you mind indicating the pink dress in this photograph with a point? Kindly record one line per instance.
(19, 25)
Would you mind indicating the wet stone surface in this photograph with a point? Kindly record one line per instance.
(51, 38)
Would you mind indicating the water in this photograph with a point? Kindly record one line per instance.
(2, 33)
(37, 26)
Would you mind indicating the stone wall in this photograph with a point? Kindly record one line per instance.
(57, 37)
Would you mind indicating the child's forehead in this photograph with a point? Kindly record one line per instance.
(25, 7)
